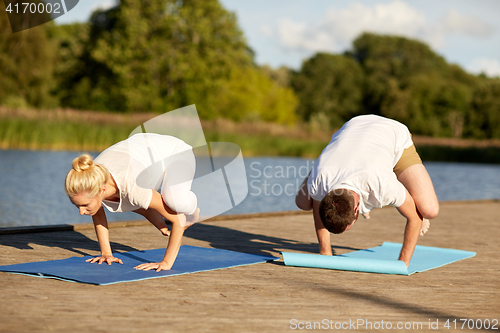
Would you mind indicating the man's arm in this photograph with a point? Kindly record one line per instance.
(322, 233)
(101, 229)
(303, 200)
(412, 229)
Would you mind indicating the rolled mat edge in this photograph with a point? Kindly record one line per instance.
(345, 263)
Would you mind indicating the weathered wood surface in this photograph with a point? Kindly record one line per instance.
(263, 297)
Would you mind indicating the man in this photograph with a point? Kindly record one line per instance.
(370, 162)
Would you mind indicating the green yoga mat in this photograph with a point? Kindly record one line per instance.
(381, 259)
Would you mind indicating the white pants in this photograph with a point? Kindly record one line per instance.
(176, 186)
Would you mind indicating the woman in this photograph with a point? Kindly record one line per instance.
(125, 177)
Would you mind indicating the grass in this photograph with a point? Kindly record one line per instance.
(58, 135)
(268, 145)
(90, 131)
(93, 131)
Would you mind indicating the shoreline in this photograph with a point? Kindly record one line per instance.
(75, 130)
(231, 217)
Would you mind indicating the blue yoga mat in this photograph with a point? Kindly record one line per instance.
(381, 259)
(190, 259)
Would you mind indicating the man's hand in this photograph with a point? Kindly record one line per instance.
(107, 259)
(159, 266)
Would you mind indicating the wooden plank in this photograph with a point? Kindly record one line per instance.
(263, 297)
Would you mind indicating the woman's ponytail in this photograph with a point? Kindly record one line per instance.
(86, 177)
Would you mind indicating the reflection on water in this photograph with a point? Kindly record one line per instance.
(32, 186)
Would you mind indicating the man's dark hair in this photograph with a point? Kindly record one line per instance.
(336, 210)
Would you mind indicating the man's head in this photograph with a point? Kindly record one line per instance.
(338, 210)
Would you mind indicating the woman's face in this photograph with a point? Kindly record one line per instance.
(87, 205)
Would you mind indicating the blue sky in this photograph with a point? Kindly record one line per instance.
(285, 32)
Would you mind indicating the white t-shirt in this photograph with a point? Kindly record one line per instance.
(137, 165)
(361, 157)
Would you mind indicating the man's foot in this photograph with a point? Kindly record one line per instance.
(165, 231)
(366, 215)
(425, 226)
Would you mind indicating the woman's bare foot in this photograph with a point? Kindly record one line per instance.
(425, 226)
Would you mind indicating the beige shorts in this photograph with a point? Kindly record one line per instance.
(409, 158)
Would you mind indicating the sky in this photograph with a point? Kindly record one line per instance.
(287, 32)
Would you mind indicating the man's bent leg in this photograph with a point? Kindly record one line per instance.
(419, 184)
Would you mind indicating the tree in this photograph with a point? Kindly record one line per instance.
(70, 40)
(157, 56)
(484, 119)
(407, 81)
(250, 94)
(388, 63)
(26, 63)
(437, 105)
(330, 85)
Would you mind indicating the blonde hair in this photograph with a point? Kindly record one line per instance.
(86, 177)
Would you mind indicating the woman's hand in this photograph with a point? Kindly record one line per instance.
(106, 258)
(159, 266)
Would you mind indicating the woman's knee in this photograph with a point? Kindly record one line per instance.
(180, 202)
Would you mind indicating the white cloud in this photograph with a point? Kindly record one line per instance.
(491, 67)
(396, 16)
(266, 30)
(455, 22)
(300, 37)
(339, 27)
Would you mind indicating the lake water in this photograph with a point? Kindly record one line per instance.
(32, 186)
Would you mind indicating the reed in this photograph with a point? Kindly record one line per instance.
(58, 135)
(65, 129)
(91, 131)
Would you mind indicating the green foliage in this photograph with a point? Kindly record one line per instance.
(268, 145)
(484, 122)
(330, 85)
(118, 67)
(70, 39)
(250, 94)
(398, 57)
(93, 131)
(402, 79)
(26, 64)
(50, 134)
(162, 55)
(408, 82)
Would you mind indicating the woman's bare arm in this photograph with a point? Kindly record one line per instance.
(175, 240)
(102, 232)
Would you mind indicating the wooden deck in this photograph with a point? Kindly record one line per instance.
(268, 297)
